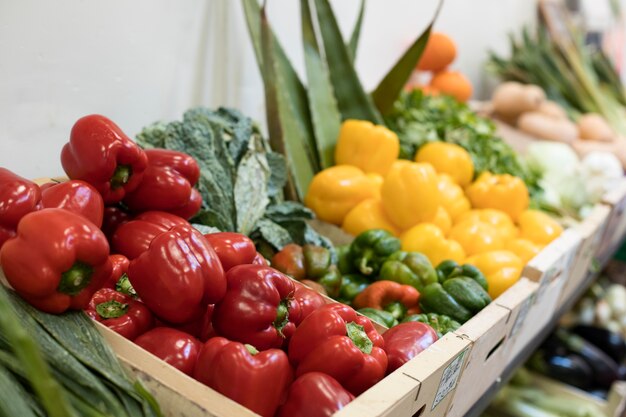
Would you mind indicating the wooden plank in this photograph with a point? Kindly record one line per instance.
(591, 231)
(616, 228)
(178, 394)
(487, 331)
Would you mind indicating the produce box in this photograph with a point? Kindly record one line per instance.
(616, 225)
(425, 383)
(487, 331)
(591, 231)
(550, 269)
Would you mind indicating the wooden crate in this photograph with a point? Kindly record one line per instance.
(424, 383)
(550, 269)
(616, 225)
(487, 332)
(591, 232)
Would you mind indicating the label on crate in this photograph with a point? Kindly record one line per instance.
(521, 316)
(449, 378)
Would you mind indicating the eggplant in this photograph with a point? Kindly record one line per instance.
(569, 368)
(609, 342)
(605, 369)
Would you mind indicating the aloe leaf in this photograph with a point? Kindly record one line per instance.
(322, 103)
(286, 134)
(392, 84)
(356, 32)
(352, 100)
(294, 87)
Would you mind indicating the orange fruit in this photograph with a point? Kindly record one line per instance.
(452, 83)
(440, 51)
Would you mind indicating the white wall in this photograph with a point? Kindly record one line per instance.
(144, 60)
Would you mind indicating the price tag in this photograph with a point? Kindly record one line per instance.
(449, 378)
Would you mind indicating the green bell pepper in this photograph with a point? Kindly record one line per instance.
(318, 267)
(450, 269)
(442, 324)
(408, 268)
(331, 281)
(344, 263)
(460, 298)
(371, 248)
(351, 286)
(381, 317)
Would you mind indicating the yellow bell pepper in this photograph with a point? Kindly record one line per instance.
(502, 192)
(448, 158)
(524, 248)
(336, 190)
(452, 196)
(377, 180)
(502, 268)
(410, 194)
(372, 148)
(538, 227)
(430, 240)
(366, 215)
(476, 237)
(497, 218)
(442, 220)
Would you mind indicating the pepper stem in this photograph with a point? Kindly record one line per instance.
(282, 315)
(120, 176)
(111, 309)
(75, 279)
(363, 264)
(253, 351)
(124, 286)
(357, 334)
(397, 309)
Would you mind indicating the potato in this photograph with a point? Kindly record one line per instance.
(546, 127)
(552, 109)
(512, 98)
(592, 126)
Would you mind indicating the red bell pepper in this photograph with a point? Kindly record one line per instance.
(179, 275)
(201, 329)
(133, 238)
(18, 197)
(120, 313)
(309, 301)
(315, 394)
(405, 340)
(101, 154)
(167, 185)
(119, 268)
(113, 217)
(172, 346)
(57, 260)
(339, 342)
(258, 307)
(259, 260)
(232, 248)
(76, 196)
(290, 261)
(256, 380)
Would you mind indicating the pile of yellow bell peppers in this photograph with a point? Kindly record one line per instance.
(434, 205)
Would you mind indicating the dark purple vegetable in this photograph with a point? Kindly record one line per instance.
(609, 342)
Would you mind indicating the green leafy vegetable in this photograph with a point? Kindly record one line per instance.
(324, 112)
(240, 177)
(65, 366)
(391, 85)
(419, 119)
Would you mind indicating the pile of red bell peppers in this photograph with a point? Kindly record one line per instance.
(114, 240)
